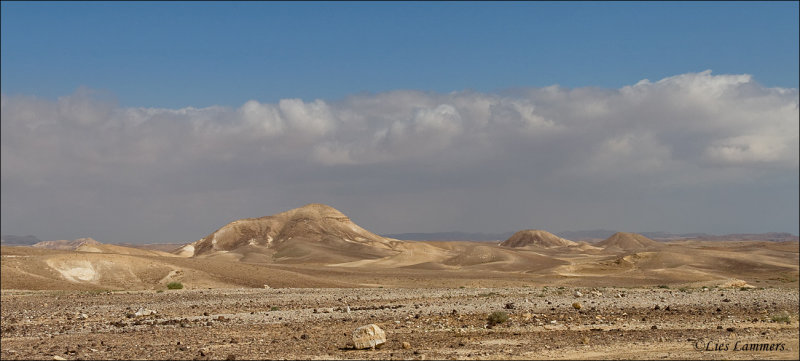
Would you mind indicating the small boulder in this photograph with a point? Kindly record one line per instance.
(577, 305)
(406, 345)
(144, 312)
(369, 336)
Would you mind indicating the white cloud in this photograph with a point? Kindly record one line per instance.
(689, 129)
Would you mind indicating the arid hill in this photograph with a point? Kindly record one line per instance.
(314, 233)
(67, 245)
(624, 241)
(538, 238)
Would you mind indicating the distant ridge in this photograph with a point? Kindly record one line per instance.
(11, 240)
(595, 234)
(67, 245)
(450, 236)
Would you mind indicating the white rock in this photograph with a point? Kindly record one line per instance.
(368, 336)
(578, 294)
(144, 312)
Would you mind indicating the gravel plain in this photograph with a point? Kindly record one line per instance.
(437, 323)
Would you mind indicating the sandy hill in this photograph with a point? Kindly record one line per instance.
(67, 245)
(314, 233)
(624, 241)
(538, 238)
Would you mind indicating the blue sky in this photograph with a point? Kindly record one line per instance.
(206, 53)
(161, 122)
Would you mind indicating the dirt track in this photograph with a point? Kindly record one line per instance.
(443, 323)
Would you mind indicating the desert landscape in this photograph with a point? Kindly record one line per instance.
(298, 284)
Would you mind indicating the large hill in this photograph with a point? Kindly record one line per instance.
(312, 233)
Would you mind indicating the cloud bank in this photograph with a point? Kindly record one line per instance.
(407, 160)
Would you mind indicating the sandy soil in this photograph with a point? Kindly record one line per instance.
(438, 323)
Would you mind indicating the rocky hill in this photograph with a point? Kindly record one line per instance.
(311, 226)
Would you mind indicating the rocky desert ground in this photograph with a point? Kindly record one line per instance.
(420, 323)
(297, 285)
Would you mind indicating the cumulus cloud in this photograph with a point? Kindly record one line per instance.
(688, 129)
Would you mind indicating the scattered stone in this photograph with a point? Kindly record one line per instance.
(369, 336)
(730, 329)
(56, 357)
(578, 294)
(657, 307)
(406, 345)
(654, 327)
(510, 306)
(144, 312)
(231, 357)
(577, 305)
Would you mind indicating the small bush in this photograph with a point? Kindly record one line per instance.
(174, 285)
(274, 308)
(782, 317)
(744, 289)
(663, 286)
(497, 317)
